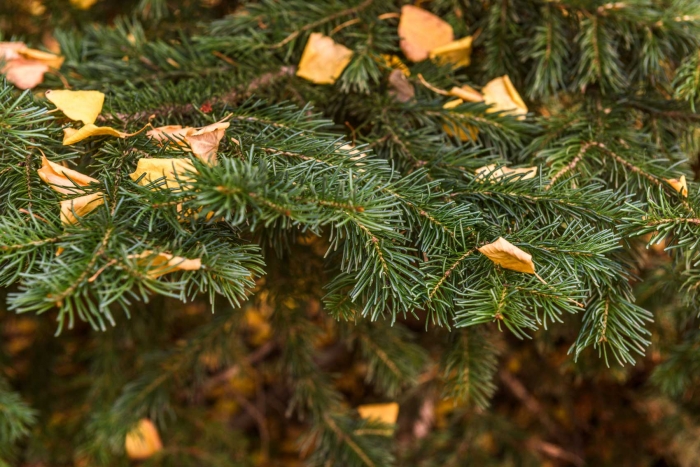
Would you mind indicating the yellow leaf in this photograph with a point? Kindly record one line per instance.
(164, 263)
(205, 141)
(25, 74)
(679, 184)
(385, 413)
(172, 169)
(83, 4)
(80, 206)
(395, 63)
(508, 256)
(62, 179)
(460, 133)
(78, 105)
(467, 94)
(323, 61)
(421, 31)
(52, 60)
(457, 53)
(143, 441)
(490, 172)
(503, 97)
(36, 8)
(72, 136)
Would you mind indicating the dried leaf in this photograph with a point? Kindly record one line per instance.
(164, 263)
(385, 413)
(10, 50)
(421, 31)
(457, 53)
(467, 94)
(172, 169)
(508, 256)
(52, 60)
(78, 105)
(25, 74)
(323, 61)
(400, 88)
(490, 172)
(83, 4)
(503, 97)
(80, 207)
(171, 133)
(72, 136)
(455, 129)
(679, 184)
(143, 441)
(62, 179)
(205, 141)
(395, 63)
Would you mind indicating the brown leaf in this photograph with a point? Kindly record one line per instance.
(143, 441)
(164, 263)
(508, 256)
(679, 184)
(204, 142)
(385, 413)
(489, 172)
(399, 87)
(323, 61)
(421, 31)
(457, 53)
(503, 97)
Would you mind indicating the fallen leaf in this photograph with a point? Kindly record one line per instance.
(72, 136)
(79, 207)
(171, 133)
(467, 93)
(323, 61)
(52, 60)
(83, 4)
(78, 105)
(395, 63)
(385, 413)
(490, 172)
(36, 8)
(503, 97)
(679, 184)
(25, 74)
(204, 142)
(421, 31)
(164, 263)
(454, 128)
(508, 256)
(10, 50)
(175, 171)
(62, 179)
(399, 87)
(143, 441)
(457, 53)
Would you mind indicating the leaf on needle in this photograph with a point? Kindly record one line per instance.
(160, 263)
(503, 97)
(421, 31)
(508, 256)
(323, 61)
(400, 87)
(175, 171)
(62, 179)
(457, 53)
(385, 413)
(467, 93)
(81, 206)
(489, 172)
(143, 441)
(679, 184)
(25, 67)
(84, 106)
(454, 128)
(204, 142)
(395, 63)
(72, 136)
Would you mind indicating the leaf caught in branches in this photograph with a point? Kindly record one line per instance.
(421, 31)
(83, 106)
(164, 263)
(385, 413)
(323, 60)
(143, 441)
(508, 256)
(174, 171)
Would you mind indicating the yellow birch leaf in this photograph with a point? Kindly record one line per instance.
(503, 97)
(143, 441)
(172, 169)
(421, 31)
(323, 61)
(83, 4)
(52, 60)
(25, 74)
(164, 263)
(395, 63)
(385, 413)
(508, 256)
(80, 206)
(679, 184)
(62, 179)
(454, 126)
(72, 136)
(457, 53)
(490, 172)
(78, 105)
(171, 133)
(205, 141)
(467, 94)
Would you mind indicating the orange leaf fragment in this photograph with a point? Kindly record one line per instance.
(323, 61)
(457, 53)
(72, 136)
(508, 256)
(679, 184)
(143, 441)
(421, 31)
(503, 97)
(385, 413)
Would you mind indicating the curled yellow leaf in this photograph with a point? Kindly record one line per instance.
(503, 97)
(454, 128)
(508, 256)
(175, 171)
(457, 53)
(143, 441)
(679, 184)
(164, 263)
(323, 61)
(62, 179)
(81, 206)
(84, 106)
(385, 413)
(467, 94)
(421, 31)
(72, 136)
(490, 172)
